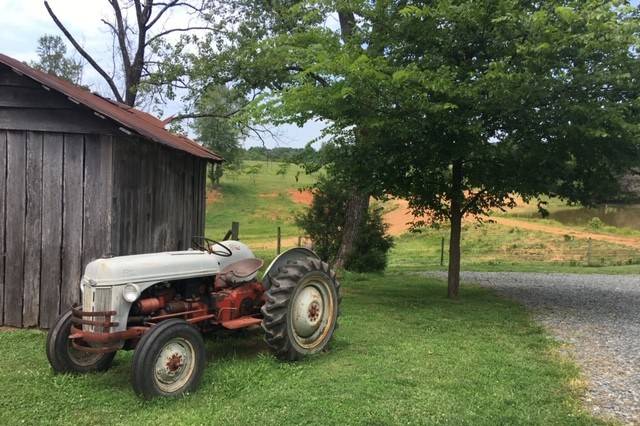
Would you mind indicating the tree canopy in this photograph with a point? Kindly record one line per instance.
(53, 59)
(455, 105)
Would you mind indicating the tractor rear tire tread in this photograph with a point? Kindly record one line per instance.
(275, 310)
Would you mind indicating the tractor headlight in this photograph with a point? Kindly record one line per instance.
(130, 293)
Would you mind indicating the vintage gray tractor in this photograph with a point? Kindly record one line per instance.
(161, 304)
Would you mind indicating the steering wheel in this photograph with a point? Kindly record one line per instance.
(207, 244)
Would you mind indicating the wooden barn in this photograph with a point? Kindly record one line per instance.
(83, 177)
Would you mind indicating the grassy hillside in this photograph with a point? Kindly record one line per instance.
(263, 202)
(260, 203)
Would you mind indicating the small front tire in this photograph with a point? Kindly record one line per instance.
(169, 360)
(64, 358)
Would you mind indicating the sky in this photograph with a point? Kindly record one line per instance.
(22, 22)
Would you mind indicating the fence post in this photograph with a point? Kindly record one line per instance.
(299, 241)
(235, 230)
(442, 252)
(589, 253)
(278, 243)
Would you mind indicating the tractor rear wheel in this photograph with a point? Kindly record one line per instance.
(64, 358)
(301, 309)
(169, 360)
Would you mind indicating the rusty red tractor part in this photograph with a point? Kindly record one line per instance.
(160, 305)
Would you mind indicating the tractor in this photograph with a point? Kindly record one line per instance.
(161, 304)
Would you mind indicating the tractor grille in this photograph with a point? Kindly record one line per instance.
(96, 299)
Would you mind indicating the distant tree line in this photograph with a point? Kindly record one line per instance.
(279, 154)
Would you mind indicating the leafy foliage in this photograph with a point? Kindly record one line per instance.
(324, 220)
(219, 132)
(53, 59)
(455, 105)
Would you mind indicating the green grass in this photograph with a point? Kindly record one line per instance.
(404, 354)
(260, 205)
(492, 247)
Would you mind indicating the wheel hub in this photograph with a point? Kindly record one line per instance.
(308, 311)
(174, 365)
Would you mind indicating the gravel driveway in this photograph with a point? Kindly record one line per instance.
(599, 316)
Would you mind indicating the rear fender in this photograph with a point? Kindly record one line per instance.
(298, 253)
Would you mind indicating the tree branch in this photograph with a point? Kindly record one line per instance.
(472, 201)
(173, 30)
(204, 115)
(84, 53)
(121, 34)
(166, 7)
(315, 76)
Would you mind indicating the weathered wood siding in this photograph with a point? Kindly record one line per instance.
(56, 215)
(158, 203)
(74, 188)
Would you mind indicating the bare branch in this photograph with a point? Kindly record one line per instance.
(204, 115)
(84, 53)
(166, 7)
(121, 34)
(173, 30)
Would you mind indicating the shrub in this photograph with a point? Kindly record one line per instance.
(596, 223)
(323, 221)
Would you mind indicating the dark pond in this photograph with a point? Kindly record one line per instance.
(620, 216)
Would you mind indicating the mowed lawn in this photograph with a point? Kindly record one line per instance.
(403, 354)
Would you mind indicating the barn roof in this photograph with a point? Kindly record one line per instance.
(130, 118)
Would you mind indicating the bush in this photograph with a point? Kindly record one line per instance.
(596, 223)
(323, 221)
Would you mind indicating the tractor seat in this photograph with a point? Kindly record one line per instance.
(241, 270)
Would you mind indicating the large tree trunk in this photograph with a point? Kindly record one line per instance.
(457, 198)
(357, 207)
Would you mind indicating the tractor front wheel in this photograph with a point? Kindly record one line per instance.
(64, 358)
(301, 309)
(169, 360)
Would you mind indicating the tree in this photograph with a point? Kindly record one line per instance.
(283, 168)
(455, 105)
(53, 59)
(273, 52)
(136, 39)
(482, 100)
(220, 133)
(325, 218)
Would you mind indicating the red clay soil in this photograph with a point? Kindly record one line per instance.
(213, 195)
(559, 230)
(399, 222)
(301, 197)
(398, 219)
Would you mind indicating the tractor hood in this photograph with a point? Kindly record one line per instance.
(164, 266)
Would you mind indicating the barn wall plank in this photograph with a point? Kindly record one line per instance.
(203, 196)
(14, 227)
(32, 97)
(72, 220)
(187, 202)
(9, 78)
(96, 234)
(52, 161)
(157, 197)
(3, 194)
(33, 231)
(159, 214)
(54, 120)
